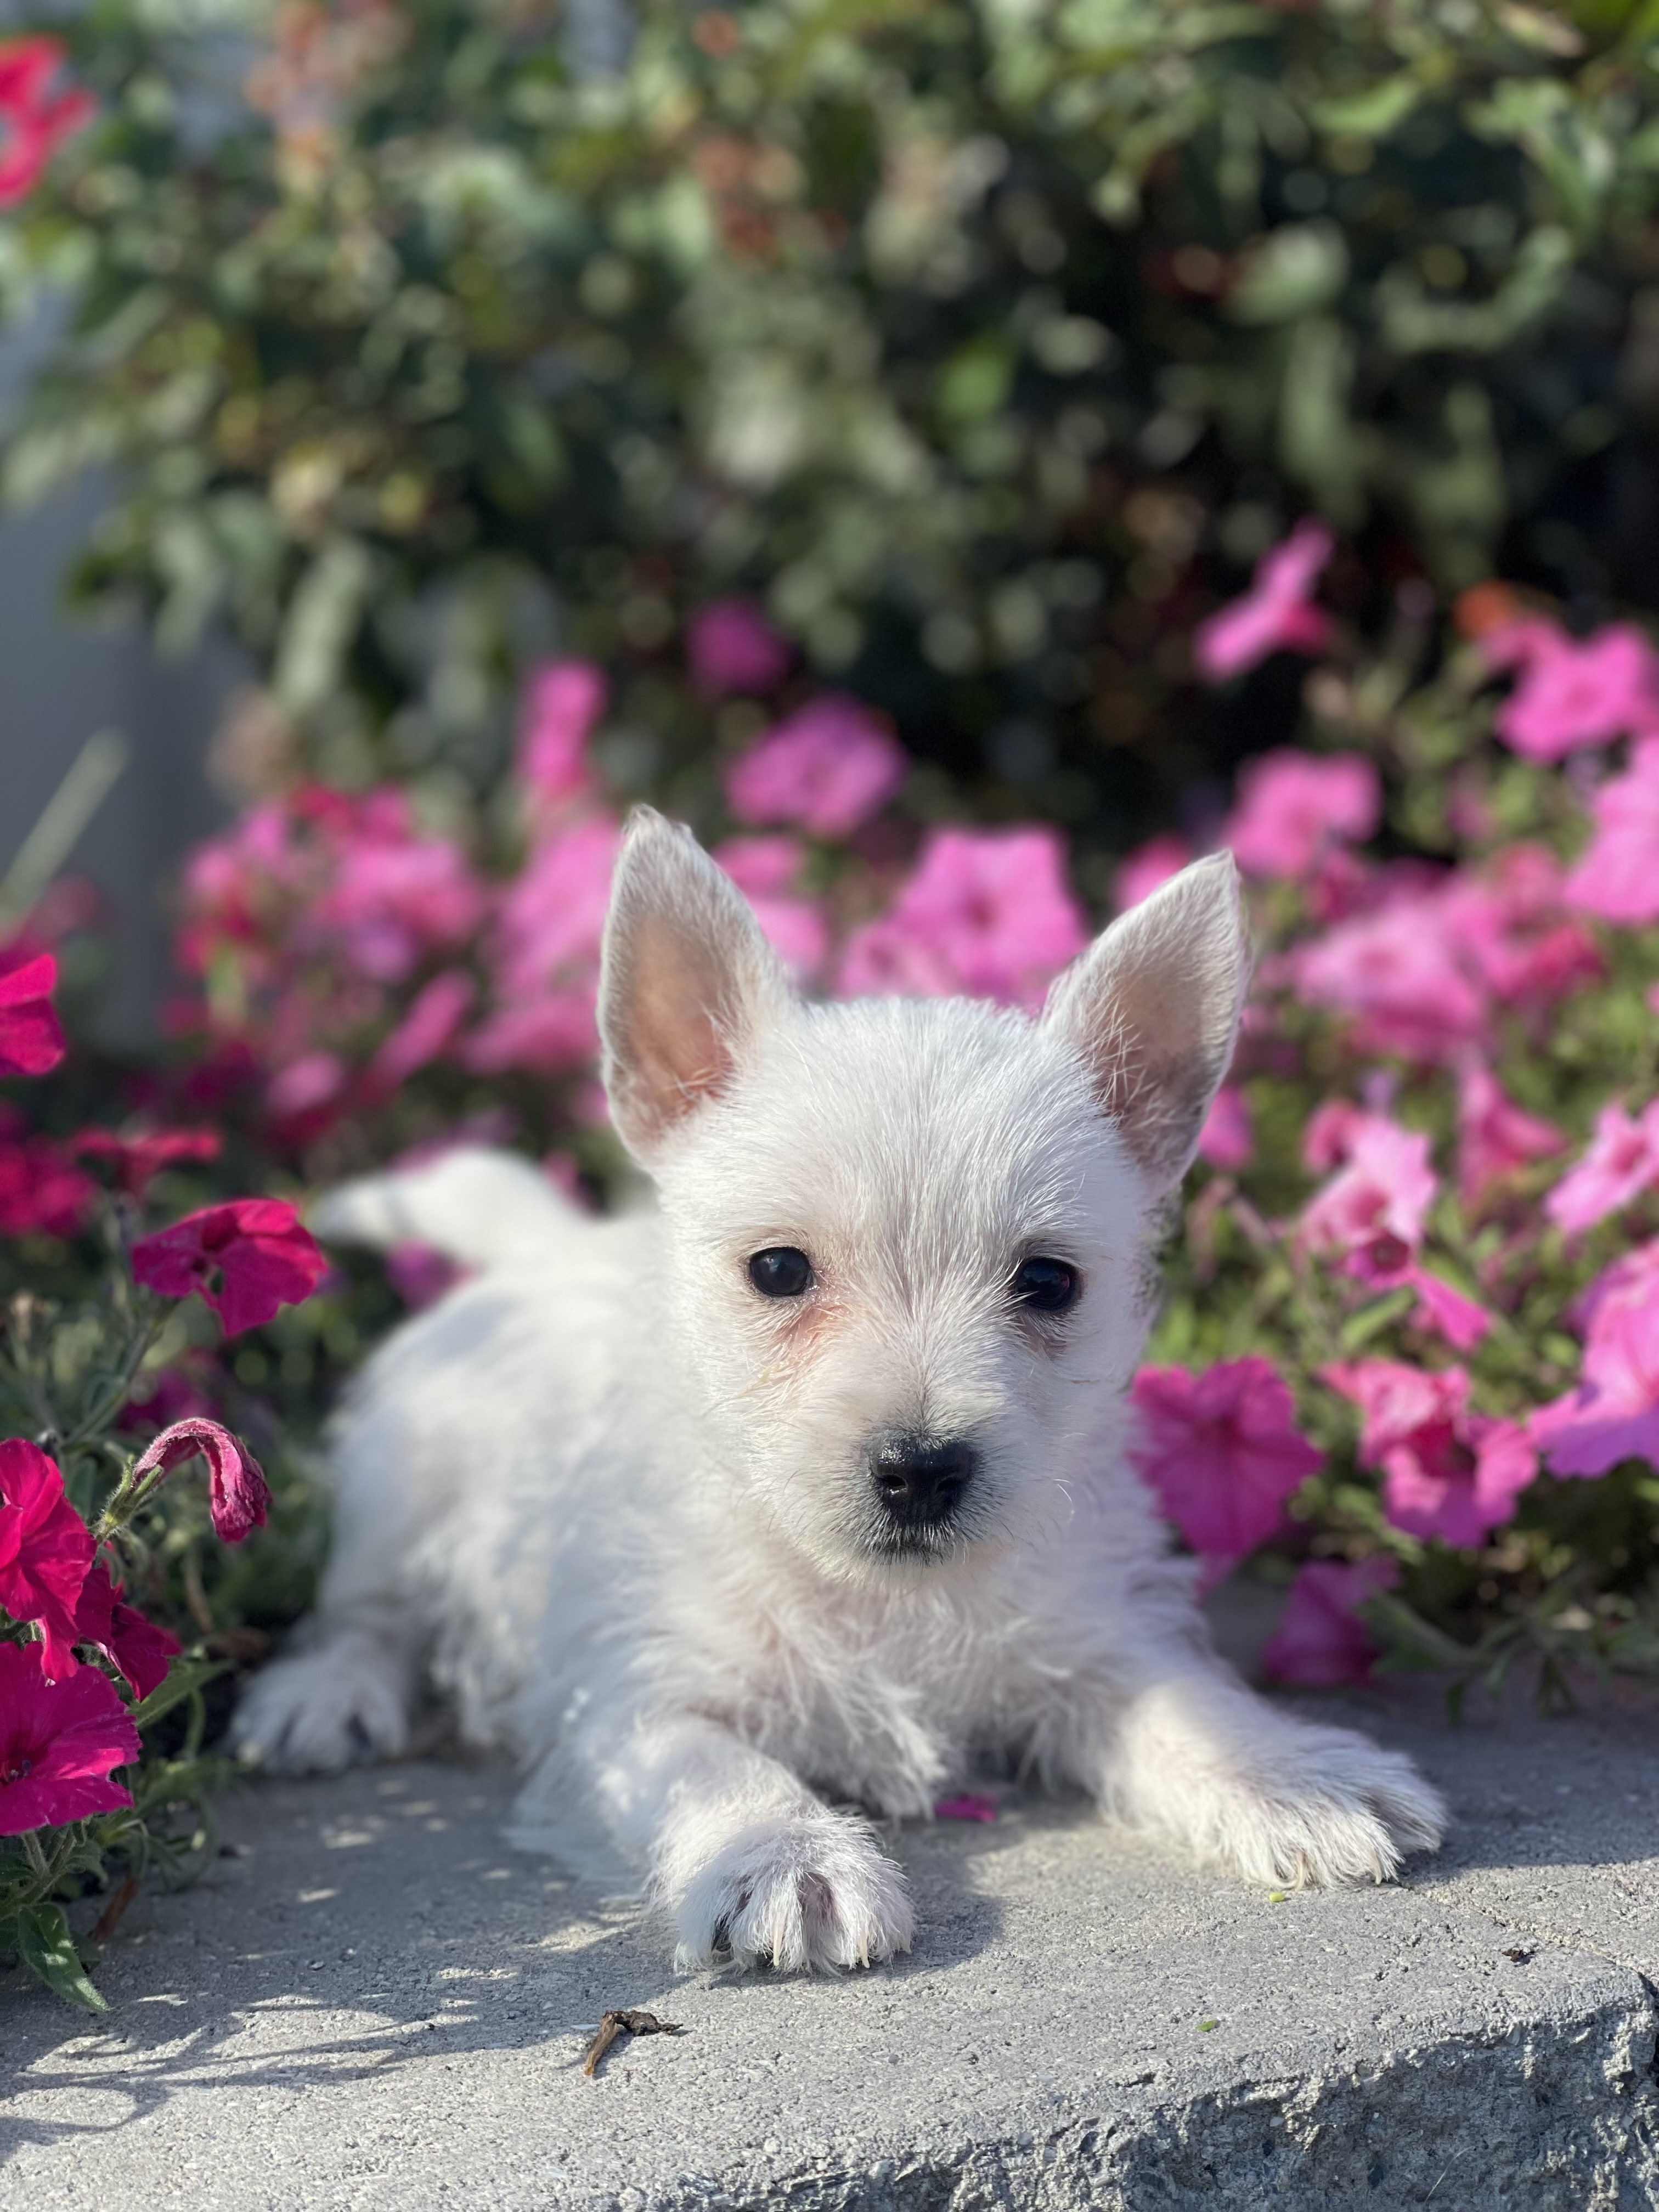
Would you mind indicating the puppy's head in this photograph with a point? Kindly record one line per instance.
(907, 1238)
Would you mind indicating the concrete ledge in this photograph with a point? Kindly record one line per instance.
(381, 2005)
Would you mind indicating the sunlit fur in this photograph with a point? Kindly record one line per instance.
(616, 1504)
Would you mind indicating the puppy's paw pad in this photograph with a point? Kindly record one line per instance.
(797, 1895)
(323, 1711)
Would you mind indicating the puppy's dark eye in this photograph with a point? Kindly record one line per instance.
(780, 1272)
(1047, 1287)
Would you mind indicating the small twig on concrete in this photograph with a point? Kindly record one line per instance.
(620, 2023)
(111, 1917)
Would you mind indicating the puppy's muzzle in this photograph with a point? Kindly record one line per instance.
(919, 1485)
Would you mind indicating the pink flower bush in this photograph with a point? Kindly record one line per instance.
(1149, 865)
(1227, 1139)
(1622, 1161)
(731, 647)
(1321, 1642)
(986, 912)
(1450, 1473)
(1495, 1138)
(1292, 805)
(561, 702)
(61, 1744)
(1613, 1413)
(1221, 1451)
(46, 1551)
(246, 1259)
(767, 870)
(1571, 694)
(1617, 876)
(31, 1037)
(544, 955)
(239, 1496)
(1274, 614)
(1372, 1215)
(136, 1158)
(826, 769)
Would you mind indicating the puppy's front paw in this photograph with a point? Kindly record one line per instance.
(1339, 1810)
(325, 1709)
(800, 1891)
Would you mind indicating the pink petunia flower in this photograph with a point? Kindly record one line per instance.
(136, 1157)
(45, 1549)
(1572, 694)
(765, 870)
(1621, 1162)
(31, 1036)
(1227, 1139)
(562, 700)
(1293, 805)
(60, 1743)
(1632, 1279)
(1140, 873)
(33, 121)
(1397, 977)
(247, 1258)
(1373, 1210)
(1613, 1414)
(827, 769)
(1495, 1137)
(138, 1651)
(1449, 1473)
(427, 1028)
(544, 955)
(1321, 1642)
(1617, 876)
(42, 1192)
(1221, 1451)
(986, 912)
(731, 646)
(1273, 615)
(239, 1496)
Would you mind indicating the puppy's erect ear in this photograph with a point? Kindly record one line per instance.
(687, 981)
(1153, 1007)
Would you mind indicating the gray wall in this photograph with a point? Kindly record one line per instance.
(61, 681)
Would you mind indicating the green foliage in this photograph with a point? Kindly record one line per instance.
(986, 341)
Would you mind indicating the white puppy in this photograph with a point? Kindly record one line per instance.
(807, 1489)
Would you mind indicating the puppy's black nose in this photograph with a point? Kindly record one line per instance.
(920, 1479)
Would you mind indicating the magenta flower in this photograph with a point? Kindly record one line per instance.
(138, 1651)
(731, 646)
(826, 769)
(420, 1273)
(1140, 873)
(1372, 1211)
(1449, 1473)
(45, 1549)
(1617, 876)
(60, 1743)
(245, 1258)
(1495, 1137)
(1630, 1279)
(238, 1495)
(986, 912)
(1273, 615)
(1292, 805)
(31, 1037)
(562, 700)
(1613, 1414)
(135, 1159)
(1573, 694)
(42, 1192)
(1227, 1139)
(765, 869)
(544, 955)
(1396, 975)
(427, 1028)
(1622, 1161)
(33, 119)
(1221, 1451)
(1321, 1642)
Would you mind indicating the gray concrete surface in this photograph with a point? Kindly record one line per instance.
(380, 2004)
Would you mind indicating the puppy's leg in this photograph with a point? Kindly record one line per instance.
(749, 1863)
(1193, 1755)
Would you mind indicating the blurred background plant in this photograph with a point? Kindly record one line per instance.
(852, 428)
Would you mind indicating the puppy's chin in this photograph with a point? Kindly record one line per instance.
(871, 1557)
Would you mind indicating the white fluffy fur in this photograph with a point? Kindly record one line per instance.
(616, 1504)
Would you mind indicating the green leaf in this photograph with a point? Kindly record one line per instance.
(185, 1677)
(1369, 114)
(48, 1950)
